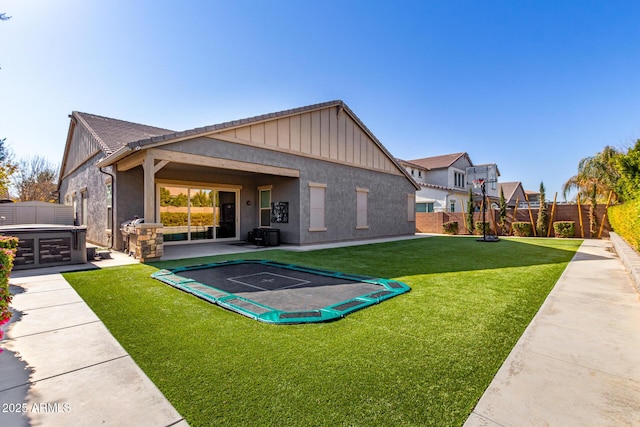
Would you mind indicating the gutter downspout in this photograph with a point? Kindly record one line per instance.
(113, 211)
(115, 156)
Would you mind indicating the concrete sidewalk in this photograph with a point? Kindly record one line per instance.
(62, 367)
(578, 362)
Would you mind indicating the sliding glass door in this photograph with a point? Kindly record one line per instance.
(198, 213)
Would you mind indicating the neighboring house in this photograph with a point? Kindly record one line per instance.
(534, 199)
(443, 182)
(513, 193)
(316, 173)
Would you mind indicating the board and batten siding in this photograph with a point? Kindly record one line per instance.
(325, 134)
(83, 146)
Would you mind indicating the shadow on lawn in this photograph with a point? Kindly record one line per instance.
(440, 254)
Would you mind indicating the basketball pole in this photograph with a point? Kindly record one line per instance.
(484, 212)
(482, 184)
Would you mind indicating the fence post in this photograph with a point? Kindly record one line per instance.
(604, 215)
(533, 225)
(553, 211)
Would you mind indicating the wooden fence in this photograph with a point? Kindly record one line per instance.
(431, 222)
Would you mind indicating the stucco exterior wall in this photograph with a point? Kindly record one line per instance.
(87, 178)
(386, 203)
(387, 198)
(437, 177)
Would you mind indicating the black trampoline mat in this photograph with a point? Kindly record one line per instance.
(281, 288)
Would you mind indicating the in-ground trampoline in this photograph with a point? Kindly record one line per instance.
(279, 293)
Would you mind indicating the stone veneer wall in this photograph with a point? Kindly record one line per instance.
(149, 240)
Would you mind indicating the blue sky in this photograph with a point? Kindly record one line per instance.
(533, 86)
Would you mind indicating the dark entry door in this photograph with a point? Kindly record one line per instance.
(227, 200)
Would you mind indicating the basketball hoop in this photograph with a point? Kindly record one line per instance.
(477, 183)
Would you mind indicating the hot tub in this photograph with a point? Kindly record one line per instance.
(47, 245)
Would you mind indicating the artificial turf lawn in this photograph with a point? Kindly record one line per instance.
(421, 359)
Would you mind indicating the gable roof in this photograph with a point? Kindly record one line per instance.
(509, 188)
(440, 162)
(113, 134)
(118, 138)
(226, 129)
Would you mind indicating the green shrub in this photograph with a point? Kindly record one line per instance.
(450, 227)
(487, 227)
(8, 246)
(522, 229)
(564, 228)
(625, 220)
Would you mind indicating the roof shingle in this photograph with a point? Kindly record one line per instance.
(438, 162)
(113, 134)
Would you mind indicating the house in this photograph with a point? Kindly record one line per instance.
(533, 199)
(514, 193)
(443, 182)
(316, 173)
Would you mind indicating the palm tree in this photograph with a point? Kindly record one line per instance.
(596, 178)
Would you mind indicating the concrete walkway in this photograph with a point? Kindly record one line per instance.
(62, 367)
(578, 362)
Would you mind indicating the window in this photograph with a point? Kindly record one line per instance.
(74, 203)
(452, 206)
(361, 208)
(197, 213)
(109, 206)
(419, 174)
(83, 206)
(265, 206)
(424, 207)
(316, 206)
(458, 179)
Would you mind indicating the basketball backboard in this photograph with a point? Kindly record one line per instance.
(488, 173)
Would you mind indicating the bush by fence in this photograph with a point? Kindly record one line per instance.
(564, 228)
(8, 246)
(450, 227)
(487, 227)
(522, 229)
(625, 220)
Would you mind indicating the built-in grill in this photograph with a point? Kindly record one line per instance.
(128, 231)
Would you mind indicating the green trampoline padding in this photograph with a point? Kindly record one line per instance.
(279, 293)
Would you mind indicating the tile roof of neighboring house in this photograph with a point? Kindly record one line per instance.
(439, 162)
(113, 134)
(437, 187)
(407, 163)
(442, 187)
